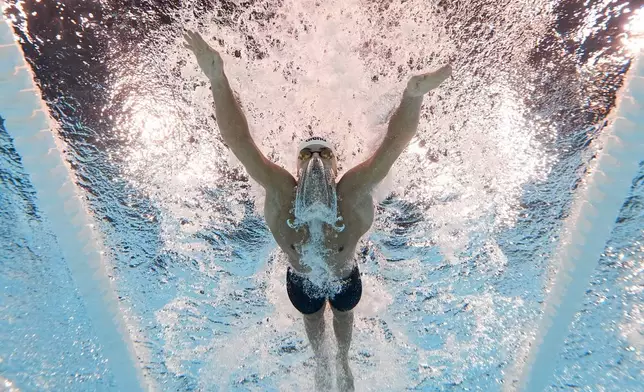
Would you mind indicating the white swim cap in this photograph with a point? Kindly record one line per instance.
(315, 141)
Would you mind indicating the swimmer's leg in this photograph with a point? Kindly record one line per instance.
(314, 326)
(342, 305)
(343, 329)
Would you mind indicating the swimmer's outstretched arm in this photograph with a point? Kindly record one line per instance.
(230, 117)
(402, 128)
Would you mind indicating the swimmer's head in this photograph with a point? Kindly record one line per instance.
(316, 147)
(315, 198)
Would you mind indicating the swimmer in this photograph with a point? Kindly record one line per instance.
(315, 220)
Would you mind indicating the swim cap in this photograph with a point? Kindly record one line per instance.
(315, 141)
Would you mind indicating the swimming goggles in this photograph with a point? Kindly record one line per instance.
(307, 153)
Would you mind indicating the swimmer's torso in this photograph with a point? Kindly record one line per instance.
(357, 216)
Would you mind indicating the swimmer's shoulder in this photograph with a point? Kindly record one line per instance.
(281, 185)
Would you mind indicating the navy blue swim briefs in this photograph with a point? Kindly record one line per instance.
(344, 300)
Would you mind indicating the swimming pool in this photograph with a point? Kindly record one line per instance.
(456, 265)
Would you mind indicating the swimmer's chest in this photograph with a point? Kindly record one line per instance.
(357, 217)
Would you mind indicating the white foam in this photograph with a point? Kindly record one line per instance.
(318, 71)
(311, 78)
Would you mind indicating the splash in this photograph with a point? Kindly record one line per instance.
(316, 198)
(331, 69)
(334, 73)
(316, 212)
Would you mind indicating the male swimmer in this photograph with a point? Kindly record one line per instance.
(316, 221)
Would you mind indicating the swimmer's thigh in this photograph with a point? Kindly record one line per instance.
(350, 294)
(302, 301)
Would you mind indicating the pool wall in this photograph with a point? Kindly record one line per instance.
(27, 121)
(588, 228)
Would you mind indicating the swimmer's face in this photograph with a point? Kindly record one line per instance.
(324, 153)
(315, 195)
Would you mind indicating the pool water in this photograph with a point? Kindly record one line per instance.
(459, 259)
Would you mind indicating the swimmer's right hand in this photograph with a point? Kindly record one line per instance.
(208, 58)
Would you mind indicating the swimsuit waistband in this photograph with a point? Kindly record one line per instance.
(301, 275)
